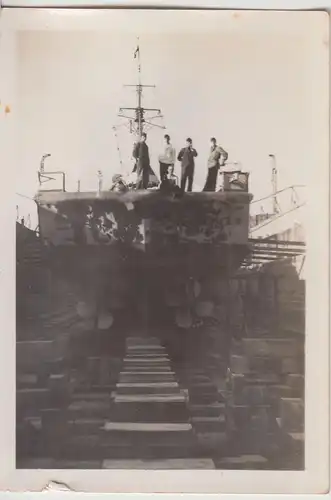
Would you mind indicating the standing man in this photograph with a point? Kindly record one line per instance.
(217, 157)
(186, 157)
(141, 155)
(167, 159)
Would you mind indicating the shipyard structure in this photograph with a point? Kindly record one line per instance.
(159, 329)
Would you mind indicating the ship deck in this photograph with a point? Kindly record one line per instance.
(49, 197)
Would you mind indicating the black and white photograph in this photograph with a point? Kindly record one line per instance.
(162, 185)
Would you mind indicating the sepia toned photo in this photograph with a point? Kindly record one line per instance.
(163, 165)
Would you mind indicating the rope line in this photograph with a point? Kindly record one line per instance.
(25, 196)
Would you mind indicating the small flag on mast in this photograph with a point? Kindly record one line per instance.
(136, 52)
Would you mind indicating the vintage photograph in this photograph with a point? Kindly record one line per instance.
(161, 242)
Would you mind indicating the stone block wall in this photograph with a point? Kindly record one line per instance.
(43, 391)
(265, 377)
(44, 381)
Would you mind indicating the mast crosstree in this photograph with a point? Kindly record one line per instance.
(141, 115)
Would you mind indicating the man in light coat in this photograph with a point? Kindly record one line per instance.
(167, 159)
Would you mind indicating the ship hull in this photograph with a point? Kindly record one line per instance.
(146, 256)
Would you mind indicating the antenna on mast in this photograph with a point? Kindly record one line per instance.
(137, 56)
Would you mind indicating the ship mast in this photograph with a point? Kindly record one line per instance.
(140, 120)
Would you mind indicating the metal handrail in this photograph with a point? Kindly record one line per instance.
(274, 217)
(46, 174)
(278, 192)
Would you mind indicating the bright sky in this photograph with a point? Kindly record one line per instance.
(243, 78)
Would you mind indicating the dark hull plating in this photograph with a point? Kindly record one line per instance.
(156, 259)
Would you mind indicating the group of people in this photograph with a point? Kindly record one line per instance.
(217, 157)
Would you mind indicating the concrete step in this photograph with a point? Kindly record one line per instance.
(147, 434)
(150, 398)
(158, 409)
(144, 345)
(147, 388)
(144, 427)
(146, 377)
(148, 361)
(145, 368)
(141, 349)
(142, 341)
(167, 464)
(146, 355)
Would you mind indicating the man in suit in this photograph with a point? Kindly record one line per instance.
(141, 155)
(186, 157)
(217, 157)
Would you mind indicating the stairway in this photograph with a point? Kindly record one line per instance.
(143, 423)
